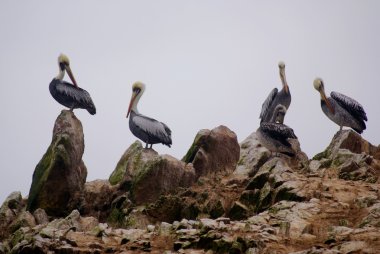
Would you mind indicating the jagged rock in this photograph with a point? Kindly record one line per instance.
(215, 151)
(24, 219)
(40, 216)
(98, 196)
(373, 217)
(139, 170)
(252, 155)
(59, 177)
(166, 208)
(239, 211)
(129, 162)
(349, 157)
(352, 141)
(9, 211)
(159, 175)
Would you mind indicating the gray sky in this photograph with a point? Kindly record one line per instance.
(205, 63)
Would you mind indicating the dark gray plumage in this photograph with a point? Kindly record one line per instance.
(67, 94)
(276, 97)
(145, 128)
(341, 109)
(274, 135)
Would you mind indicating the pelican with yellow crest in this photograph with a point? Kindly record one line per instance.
(145, 128)
(341, 109)
(276, 97)
(67, 94)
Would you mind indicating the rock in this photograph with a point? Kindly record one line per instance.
(58, 179)
(97, 198)
(352, 141)
(139, 169)
(252, 156)
(127, 164)
(353, 157)
(164, 172)
(8, 211)
(167, 208)
(24, 219)
(238, 211)
(351, 247)
(215, 151)
(40, 216)
(373, 217)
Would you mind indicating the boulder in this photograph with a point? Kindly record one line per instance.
(9, 211)
(130, 160)
(147, 175)
(159, 175)
(348, 157)
(97, 198)
(215, 151)
(59, 177)
(350, 140)
(253, 155)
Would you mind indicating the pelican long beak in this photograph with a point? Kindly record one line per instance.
(69, 72)
(134, 95)
(283, 79)
(323, 95)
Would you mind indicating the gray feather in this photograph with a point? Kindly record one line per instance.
(351, 105)
(267, 103)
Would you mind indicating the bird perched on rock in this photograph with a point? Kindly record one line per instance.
(275, 97)
(67, 94)
(341, 109)
(145, 128)
(274, 134)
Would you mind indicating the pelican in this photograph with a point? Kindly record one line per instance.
(275, 97)
(145, 128)
(274, 135)
(341, 109)
(70, 95)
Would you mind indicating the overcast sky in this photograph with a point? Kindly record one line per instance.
(204, 63)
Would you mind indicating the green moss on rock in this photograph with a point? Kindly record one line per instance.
(325, 154)
(189, 157)
(132, 155)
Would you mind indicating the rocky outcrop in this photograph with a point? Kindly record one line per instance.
(268, 204)
(147, 175)
(58, 179)
(8, 211)
(98, 196)
(253, 155)
(348, 157)
(214, 152)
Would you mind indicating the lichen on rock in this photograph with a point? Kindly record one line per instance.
(59, 177)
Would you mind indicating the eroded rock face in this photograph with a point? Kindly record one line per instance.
(163, 174)
(147, 175)
(98, 196)
(270, 204)
(215, 151)
(253, 155)
(348, 157)
(9, 211)
(58, 179)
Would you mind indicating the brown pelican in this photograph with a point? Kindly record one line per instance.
(70, 95)
(274, 98)
(274, 135)
(145, 128)
(341, 109)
